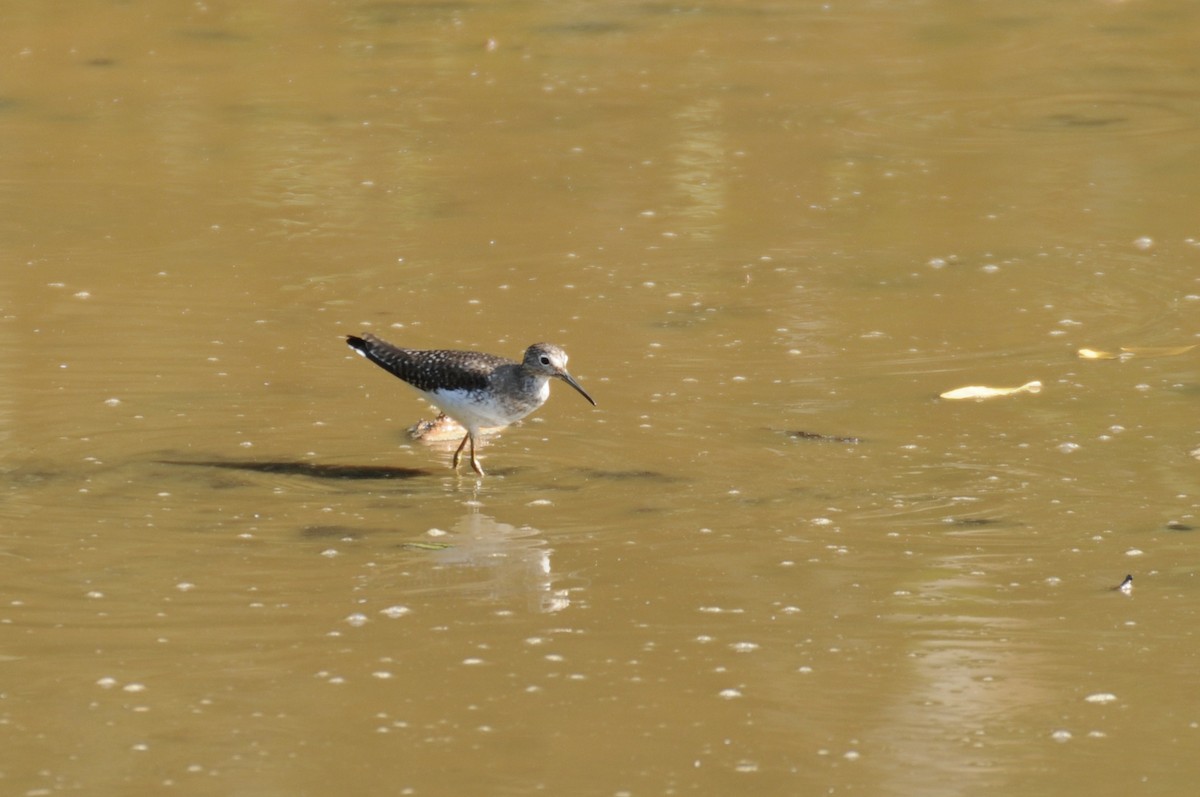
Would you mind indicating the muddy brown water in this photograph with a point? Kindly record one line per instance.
(769, 561)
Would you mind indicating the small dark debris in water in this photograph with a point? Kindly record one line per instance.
(828, 438)
(973, 521)
(328, 533)
(586, 28)
(101, 62)
(712, 9)
(348, 533)
(212, 35)
(430, 5)
(630, 475)
(311, 469)
(1175, 525)
(228, 483)
(1125, 586)
(649, 510)
(1079, 120)
(31, 477)
(425, 546)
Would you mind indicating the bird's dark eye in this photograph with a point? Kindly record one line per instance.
(545, 360)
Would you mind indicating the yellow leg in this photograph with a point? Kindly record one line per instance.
(475, 466)
(458, 451)
(474, 462)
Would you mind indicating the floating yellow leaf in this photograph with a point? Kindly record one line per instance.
(983, 392)
(1156, 351)
(1096, 354)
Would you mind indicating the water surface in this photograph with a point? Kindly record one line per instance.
(771, 560)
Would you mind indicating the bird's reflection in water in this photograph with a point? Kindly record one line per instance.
(510, 560)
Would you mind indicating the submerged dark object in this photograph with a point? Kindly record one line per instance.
(828, 438)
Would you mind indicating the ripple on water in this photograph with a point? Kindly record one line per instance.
(977, 122)
(1046, 304)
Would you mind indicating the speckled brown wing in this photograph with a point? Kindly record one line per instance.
(429, 370)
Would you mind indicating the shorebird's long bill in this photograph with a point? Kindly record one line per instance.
(570, 380)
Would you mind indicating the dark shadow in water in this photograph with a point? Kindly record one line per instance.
(311, 469)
